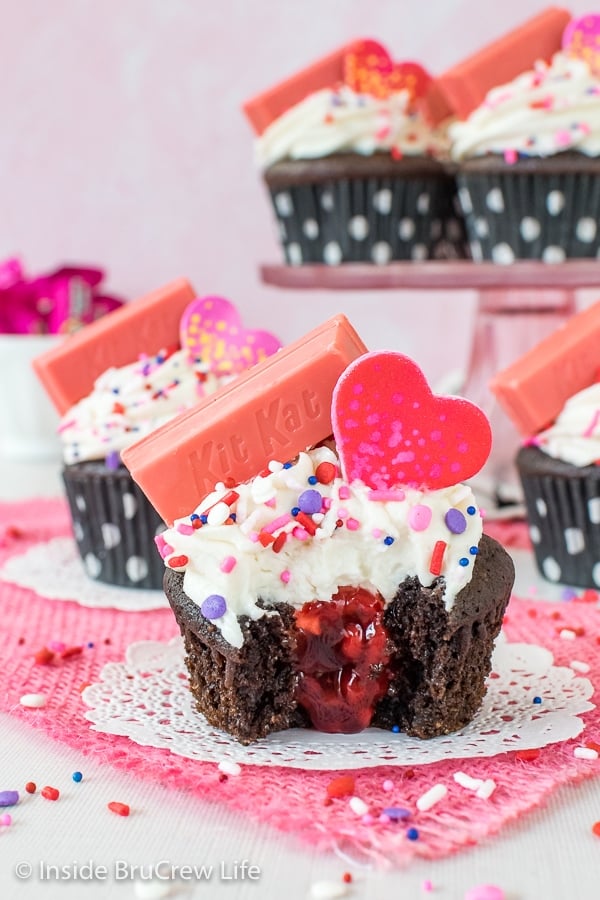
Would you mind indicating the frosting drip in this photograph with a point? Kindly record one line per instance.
(547, 110)
(300, 532)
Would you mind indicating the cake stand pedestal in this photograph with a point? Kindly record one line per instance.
(517, 306)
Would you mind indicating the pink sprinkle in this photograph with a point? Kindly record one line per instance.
(388, 785)
(185, 529)
(562, 138)
(253, 536)
(384, 819)
(342, 512)
(427, 886)
(57, 646)
(343, 492)
(271, 503)
(510, 157)
(594, 421)
(326, 503)
(279, 522)
(367, 819)
(301, 534)
(352, 524)
(485, 892)
(385, 496)
(285, 576)
(228, 564)
(419, 517)
(6, 820)
(377, 532)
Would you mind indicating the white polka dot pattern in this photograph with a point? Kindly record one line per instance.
(530, 228)
(551, 569)
(332, 253)
(358, 228)
(111, 535)
(311, 229)
(534, 534)
(284, 204)
(574, 541)
(129, 506)
(593, 506)
(382, 201)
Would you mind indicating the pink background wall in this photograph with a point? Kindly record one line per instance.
(123, 144)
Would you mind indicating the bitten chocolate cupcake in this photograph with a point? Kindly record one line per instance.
(348, 586)
(528, 158)
(354, 170)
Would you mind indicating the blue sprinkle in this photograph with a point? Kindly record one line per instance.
(115, 390)
(463, 561)
(77, 776)
(388, 541)
(473, 551)
(412, 834)
(295, 510)
(194, 516)
(397, 813)
(312, 479)
(287, 465)
(204, 519)
(471, 510)
(89, 645)
(395, 729)
(233, 516)
(537, 699)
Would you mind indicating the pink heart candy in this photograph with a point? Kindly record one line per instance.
(391, 430)
(211, 328)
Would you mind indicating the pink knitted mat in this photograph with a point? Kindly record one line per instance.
(291, 800)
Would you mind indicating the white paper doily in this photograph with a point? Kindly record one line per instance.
(54, 569)
(146, 698)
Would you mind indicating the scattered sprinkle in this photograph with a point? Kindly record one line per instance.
(527, 754)
(596, 828)
(537, 700)
(579, 666)
(466, 781)
(31, 787)
(388, 785)
(9, 798)
(213, 607)
(397, 813)
(6, 820)
(485, 892)
(121, 809)
(50, 793)
(486, 790)
(33, 701)
(229, 768)
(585, 753)
(412, 834)
(427, 886)
(431, 797)
(341, 787)
(567, 634)
(358, 806)
(77, 777)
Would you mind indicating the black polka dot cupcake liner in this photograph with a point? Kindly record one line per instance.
(531, 215)
(563, 512)
(114, 526)
(374, 220)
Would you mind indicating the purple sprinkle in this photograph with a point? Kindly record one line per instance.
(214, 607)
(397, 813)
(310, 502)
(9, 798)
(112, 461)
(455, 521)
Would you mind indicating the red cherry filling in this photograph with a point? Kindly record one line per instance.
(341, 651)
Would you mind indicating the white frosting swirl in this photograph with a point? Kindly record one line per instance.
(338, 121)
(549, 109)
(359, 540)
(131, 401)
(575, 436)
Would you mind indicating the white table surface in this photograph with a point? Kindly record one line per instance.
(550, 853)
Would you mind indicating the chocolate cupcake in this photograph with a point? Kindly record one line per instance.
(528, 165)
(354, 170)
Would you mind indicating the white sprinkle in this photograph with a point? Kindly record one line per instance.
(585, 753)
(431, 797)
(487, 789)
(579, 666)
(218, 514)
(567, 634)
(327, 890)
(358, 806)
(275, 466)
(151, 890)
(229, 768)
(472, 784)
(33, 701)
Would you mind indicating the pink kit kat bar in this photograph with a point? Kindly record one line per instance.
(273, 411)
(534, 389)
(145, 325)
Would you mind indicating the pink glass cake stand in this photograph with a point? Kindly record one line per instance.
(517, 306)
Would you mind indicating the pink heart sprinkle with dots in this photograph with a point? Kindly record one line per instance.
(211, 329)
(391, 430)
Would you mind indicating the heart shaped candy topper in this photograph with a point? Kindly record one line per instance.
(392, 431)
(211, 329)
(369, 69)
(581, 38)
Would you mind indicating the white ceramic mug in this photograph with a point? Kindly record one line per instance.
(28, 420)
